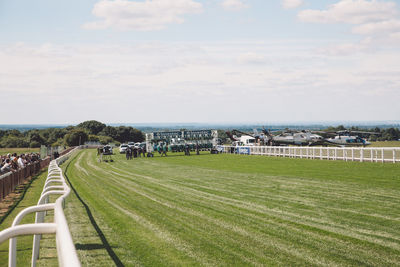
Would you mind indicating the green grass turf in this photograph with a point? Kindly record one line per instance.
(4, 151)
(24, 243)
(231, 210)
(48, 252)
(385, 144)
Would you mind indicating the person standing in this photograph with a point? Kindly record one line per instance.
(144, 151)
(127, 152)
(21, 163)
(187, 150)
(164, 150)
(159, 148)
(135, 152)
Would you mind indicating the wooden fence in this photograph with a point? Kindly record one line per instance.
(10, 180)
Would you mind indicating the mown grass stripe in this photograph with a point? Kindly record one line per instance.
(196, 211)
(197, 192)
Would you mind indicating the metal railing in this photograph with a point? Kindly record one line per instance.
(362, 154)
(55, 185)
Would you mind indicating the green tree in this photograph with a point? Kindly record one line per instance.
(69, 128)
(2, 133)
(377, 130)
(123, 134)
(109, 131)
(14, 141)
(391, 134)
(59, 142)
(137, 135)
(93, 138)
(104, 140)
(126, 134)
(340, 128)
(34, 144)
(14, 132)
(76, 137)
(55, 134)
(34, 136)
(94, 127)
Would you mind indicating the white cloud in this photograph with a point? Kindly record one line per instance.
(378, 28)
(343, 49)
(351, 11)
(287, 4)
(148, 15)
(251, 58)
(234, 5)
(377, 20)
(75, 80)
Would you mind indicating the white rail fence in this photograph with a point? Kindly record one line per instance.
(362, 154)
(55, 185)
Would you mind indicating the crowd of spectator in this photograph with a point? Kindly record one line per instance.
(14, 162)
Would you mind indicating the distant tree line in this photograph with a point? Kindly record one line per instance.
(71, 135)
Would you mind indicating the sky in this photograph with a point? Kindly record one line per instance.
(211, 61)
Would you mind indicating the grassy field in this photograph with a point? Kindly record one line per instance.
(385, 144)
(24, 243)
(231, 210)
(4, 151)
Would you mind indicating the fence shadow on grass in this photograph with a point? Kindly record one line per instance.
(21, 197)
(89, 246)
(103, 239)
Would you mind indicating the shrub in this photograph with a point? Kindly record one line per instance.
(76, 137)
(34, 144)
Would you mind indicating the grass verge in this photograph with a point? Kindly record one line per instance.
(30, 198)
(385, 144)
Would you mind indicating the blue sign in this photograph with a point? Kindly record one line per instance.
(243, 150)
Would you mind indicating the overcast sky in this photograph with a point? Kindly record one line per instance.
(199, 61)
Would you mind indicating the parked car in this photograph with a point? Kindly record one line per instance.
(143, 144)
(107, 150)
(131, 144)
(122, 148)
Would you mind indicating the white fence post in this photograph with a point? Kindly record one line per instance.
(293, 152)
(394, 156)
(361, 154)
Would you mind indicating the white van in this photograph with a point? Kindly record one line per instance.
(122, 148)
